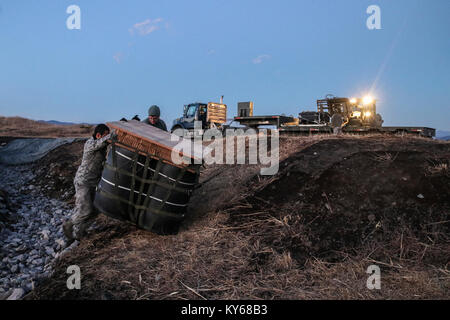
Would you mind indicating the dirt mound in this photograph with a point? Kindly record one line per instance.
(340, 197)
(337, 206)
(55, 172)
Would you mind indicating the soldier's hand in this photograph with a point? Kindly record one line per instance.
(113, 135)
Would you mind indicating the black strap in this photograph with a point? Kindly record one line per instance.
(156, 211)
(150, 190)
(148, 181)
(172, 187)
(114, 158)
(141, 189)
(137, 212)
(133, 182)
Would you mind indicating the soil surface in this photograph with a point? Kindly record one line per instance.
(55, 172)
(337, 206)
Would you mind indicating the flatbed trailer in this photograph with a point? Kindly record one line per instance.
(422, 131)
(306, 129)
(301, 129)
(323, 129)
(358, 115)
(256, 121)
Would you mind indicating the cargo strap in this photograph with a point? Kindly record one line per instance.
(150, 190)
(179, 176)
(138, 207)
(137, 212)
(141, 189)
(161, 174)
(148, 181)
(133, 183)
(116, 174)
(152, 197)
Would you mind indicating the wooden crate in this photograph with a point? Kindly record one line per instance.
(150, 141)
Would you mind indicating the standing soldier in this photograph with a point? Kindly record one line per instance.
(153, 118)
(86, 179)
(336, 123)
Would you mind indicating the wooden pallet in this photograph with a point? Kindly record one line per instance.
(153, 142)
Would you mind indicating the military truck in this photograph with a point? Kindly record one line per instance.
(211, 115)
(359, 116)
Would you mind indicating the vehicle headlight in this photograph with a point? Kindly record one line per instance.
(357, 114)
(367, 100)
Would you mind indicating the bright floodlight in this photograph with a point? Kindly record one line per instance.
(367, 100)
(353, 100)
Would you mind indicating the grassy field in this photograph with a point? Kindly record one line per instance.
(21, 127)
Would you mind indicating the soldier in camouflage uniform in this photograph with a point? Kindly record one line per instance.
(153, 118)
(86, 179)
(336, 123)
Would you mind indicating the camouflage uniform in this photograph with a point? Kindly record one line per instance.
(160, 124)
(336, 123)
(86, 179)
(378, 121)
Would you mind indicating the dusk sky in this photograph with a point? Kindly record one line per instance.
(282, 55)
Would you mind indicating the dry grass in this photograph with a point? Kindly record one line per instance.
(211, 261)
(21, 127)
(249, 237)
(385, 157)
(439, 168)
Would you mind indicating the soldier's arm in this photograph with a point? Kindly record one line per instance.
(101, 143)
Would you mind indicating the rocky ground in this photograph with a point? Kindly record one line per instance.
(30, 232)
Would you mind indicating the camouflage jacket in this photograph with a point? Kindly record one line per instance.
(160, 124)
(94, 154)
(336, 120)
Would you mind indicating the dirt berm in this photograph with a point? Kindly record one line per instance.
(336, 207)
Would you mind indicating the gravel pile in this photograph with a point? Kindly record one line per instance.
(31, 235)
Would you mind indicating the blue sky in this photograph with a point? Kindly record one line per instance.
(283, 55)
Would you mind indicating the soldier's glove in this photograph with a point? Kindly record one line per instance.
(113, 135)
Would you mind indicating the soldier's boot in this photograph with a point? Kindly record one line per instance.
(68, 232)
(79, 232)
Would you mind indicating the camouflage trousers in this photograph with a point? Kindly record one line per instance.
(337, 130)
(85, 211)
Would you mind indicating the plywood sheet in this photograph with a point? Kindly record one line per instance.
(152, 140)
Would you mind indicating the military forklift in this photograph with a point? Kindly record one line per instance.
(211, 115)
(356, 112)
(359, 116)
